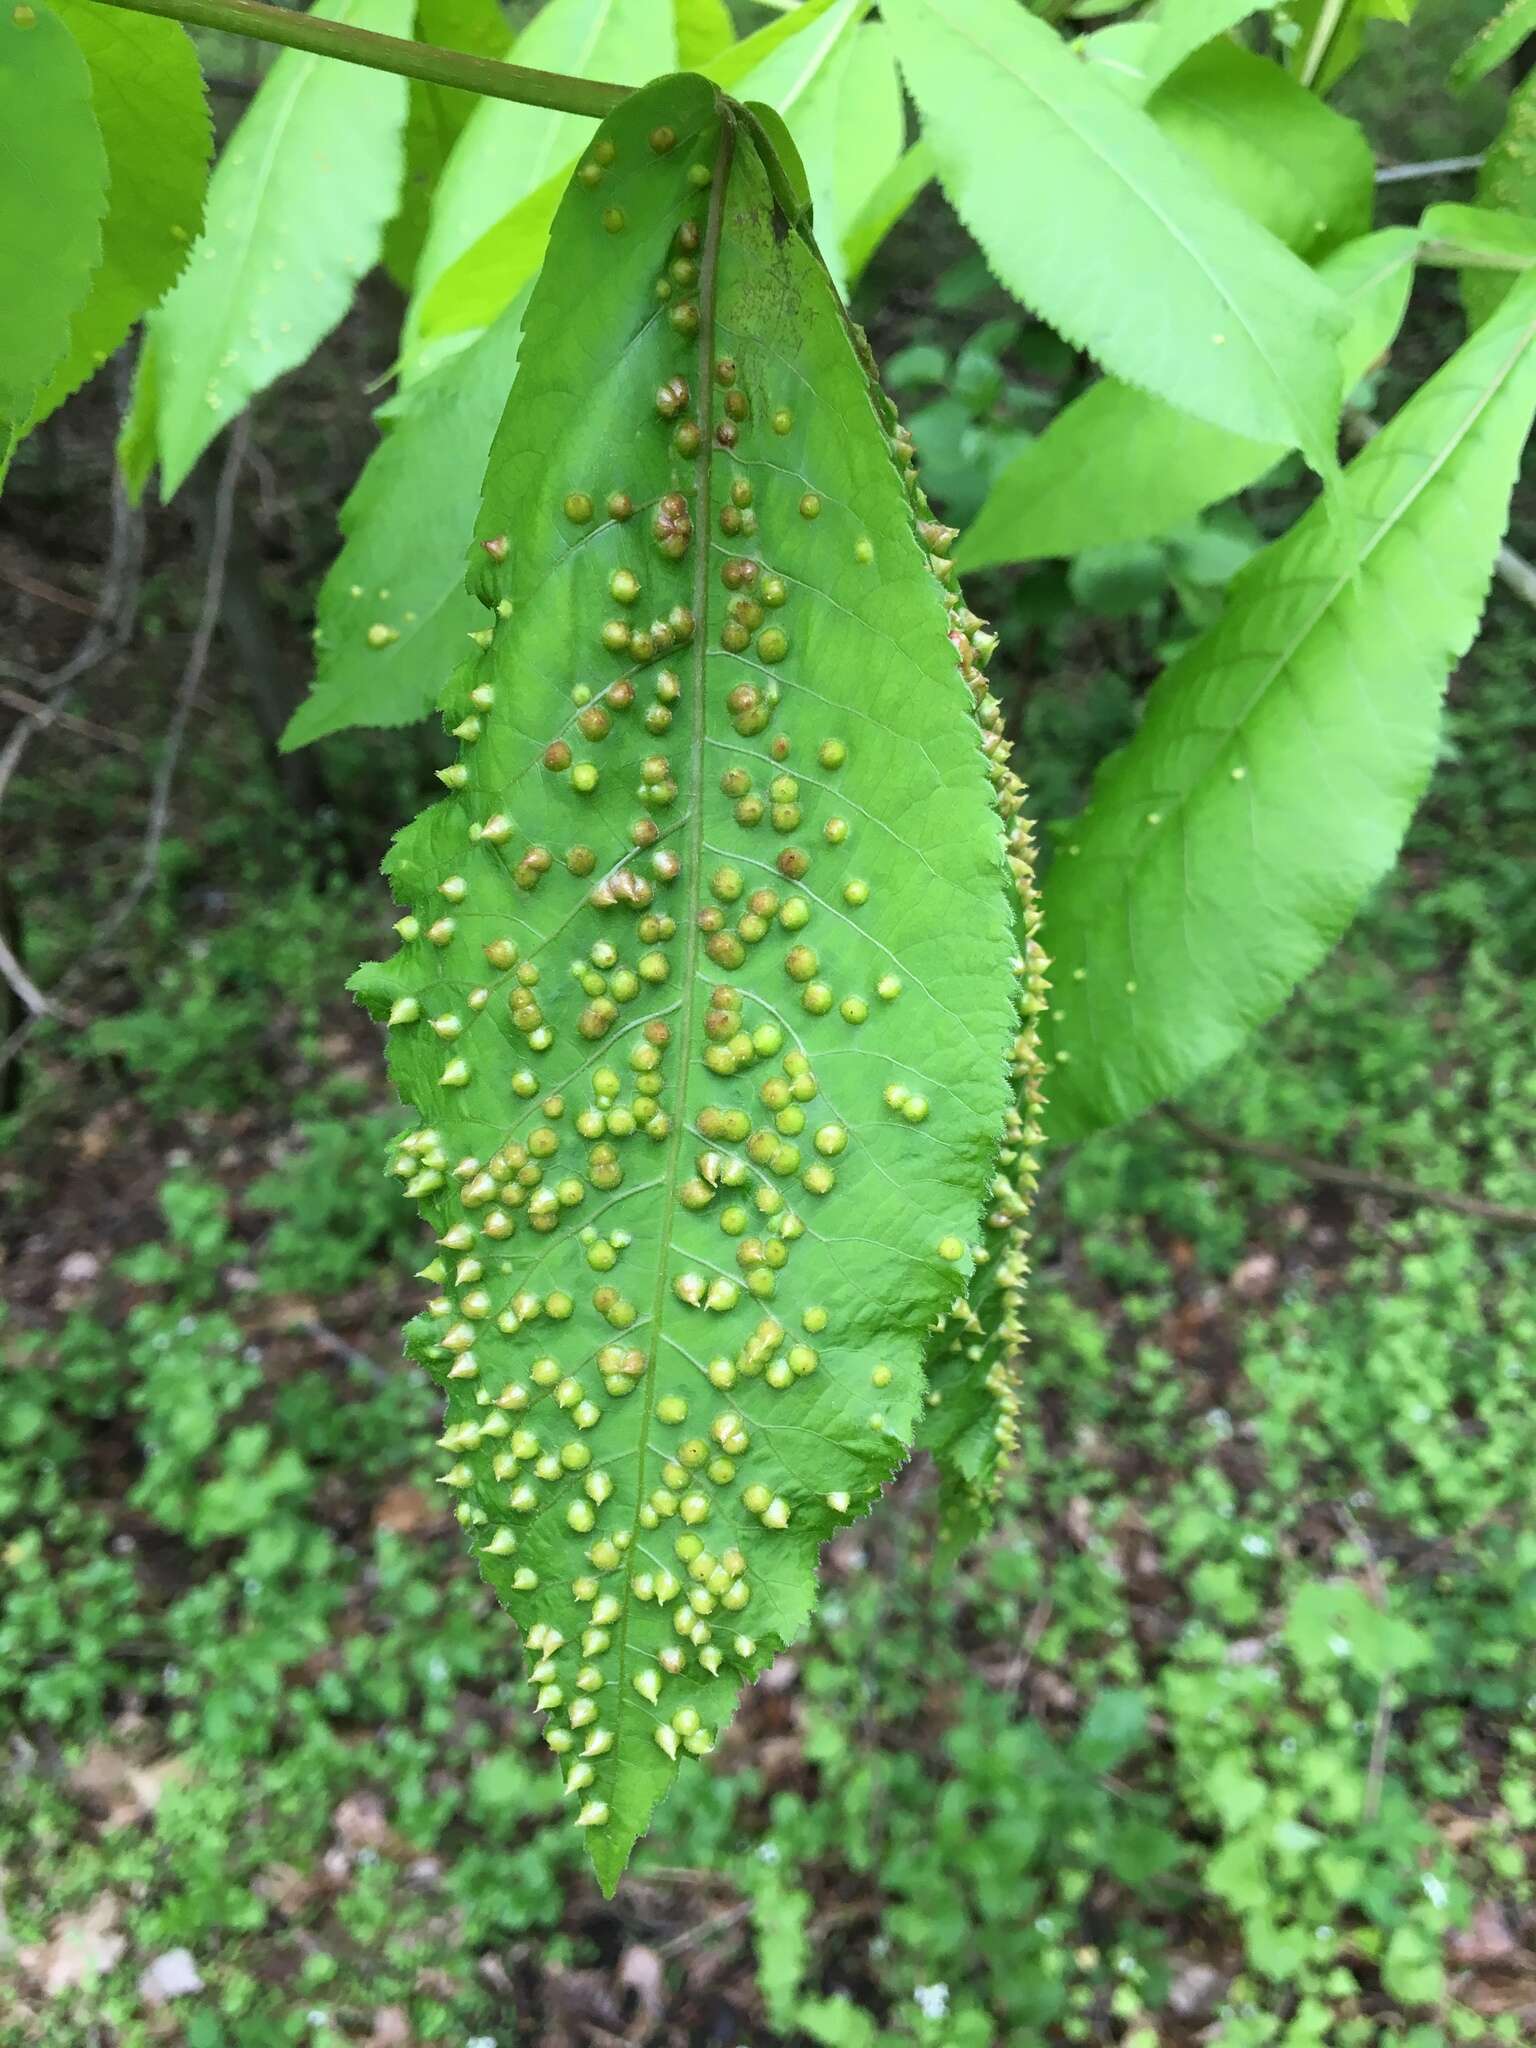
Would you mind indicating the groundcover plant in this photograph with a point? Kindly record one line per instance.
(722, 1002)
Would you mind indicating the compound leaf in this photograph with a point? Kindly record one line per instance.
(1269, 786)
(1118, 465)
(1134, 257)
(705, 994)
(52, 197)
(296, 209)
(147, 90)
(393, 611)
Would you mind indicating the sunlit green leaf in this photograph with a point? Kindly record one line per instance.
(1268, 788)
(912, 171)
(473, 289)
(1183, 26)
(1134, 257)
(1506, 181)
(1495, 43)
(436, 118)
(393, 612)
(296, 208)
(1118, 465)
(53, 193)
(1477, 237)
(719, 856)
(147, 91)
(507, 152)
(1302, 169)
(703, 31)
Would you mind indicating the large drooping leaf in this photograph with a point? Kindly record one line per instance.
(507, 152)
(473, 289)
(296, 208)
(1231, 841)
(147, 91)
(53, 193)
(705, 990)
(1290, 162)
(393, 611)
(1131, 254)
(1495, 43)
(1506, 181)
(435, 120)
(1118, 465)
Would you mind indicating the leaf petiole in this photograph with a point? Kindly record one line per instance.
(424, 61)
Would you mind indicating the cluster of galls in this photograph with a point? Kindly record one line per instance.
(987, 1331)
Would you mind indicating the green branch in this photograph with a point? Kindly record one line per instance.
(481, 75)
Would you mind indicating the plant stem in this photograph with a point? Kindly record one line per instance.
(483, 75)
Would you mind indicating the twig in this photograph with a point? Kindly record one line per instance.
(186, 696)
(1334, 1175)
(23, 984)
(1381, 1731)
(1436, 167)
(397, 54)
(35, 707)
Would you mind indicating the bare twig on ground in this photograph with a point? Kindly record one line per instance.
(1334, 1175)
(192, 676)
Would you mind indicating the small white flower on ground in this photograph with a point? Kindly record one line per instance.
(931, 2000)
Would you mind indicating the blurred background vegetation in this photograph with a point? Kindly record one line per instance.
(1223, 1735)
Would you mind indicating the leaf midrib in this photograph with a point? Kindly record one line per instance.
(709, 273)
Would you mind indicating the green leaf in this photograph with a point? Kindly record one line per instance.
(507, 152)
(393, 611)
(53, 193)
(703, 31)
(1475, 237)
(147, 91)
(1117, 465)
(886, 204)
(1184, 26)
(1135, 258)
(1232, 840)
(296, 209)
(435, 120)
(473, 289)
(1299, 168)
(1494, 44)
(1506, 181)
(1330, 37)
(670, 1342)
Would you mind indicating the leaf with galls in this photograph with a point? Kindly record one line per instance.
(707, 983)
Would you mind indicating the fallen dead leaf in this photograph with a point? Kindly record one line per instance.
(406, 1510)
(173, 1975)
(80, 1947)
